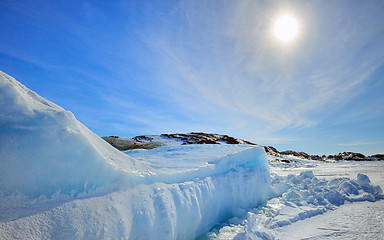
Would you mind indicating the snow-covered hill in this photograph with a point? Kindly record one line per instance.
(58, 180)
(153, 141)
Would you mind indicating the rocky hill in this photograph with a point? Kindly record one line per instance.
(341, 156)
(153, 141)
(206, 138)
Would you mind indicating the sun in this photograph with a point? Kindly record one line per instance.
(286, 28)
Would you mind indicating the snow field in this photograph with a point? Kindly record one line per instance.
(359, 220)
(296, 198)
(58, 180)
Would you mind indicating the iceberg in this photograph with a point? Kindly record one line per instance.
(59, 180)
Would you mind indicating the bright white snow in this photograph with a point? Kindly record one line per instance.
(45, 150)
(315, 200)
(187, 162)
(58, 180)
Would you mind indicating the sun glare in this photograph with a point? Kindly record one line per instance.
(286, 28)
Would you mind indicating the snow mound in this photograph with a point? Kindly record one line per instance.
(306, 189)
(45, 150)
(58, 180)
(180, 163)
(296, 198)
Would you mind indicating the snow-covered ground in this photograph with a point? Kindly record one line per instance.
(361, 219)
(58, 180)
(341, 200)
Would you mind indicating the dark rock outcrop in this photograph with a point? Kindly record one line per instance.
(206, 138)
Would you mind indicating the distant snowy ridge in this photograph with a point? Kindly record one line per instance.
(153, 141)
(58, 180)
(205, 138)
(341, 156)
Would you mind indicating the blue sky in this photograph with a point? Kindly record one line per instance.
(148, 67)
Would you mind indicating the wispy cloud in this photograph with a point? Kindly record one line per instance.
(226, 59)
(276, 140)
(360, 143)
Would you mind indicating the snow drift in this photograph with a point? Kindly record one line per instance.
(298, 198)
(58, 180)
(44, 149)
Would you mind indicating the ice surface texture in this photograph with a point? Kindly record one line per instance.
(306, 189)
(186, 162)
(153, 211)
(297, 198)
(58, 180)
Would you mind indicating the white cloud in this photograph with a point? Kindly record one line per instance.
(225, 60)
(360, 143)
